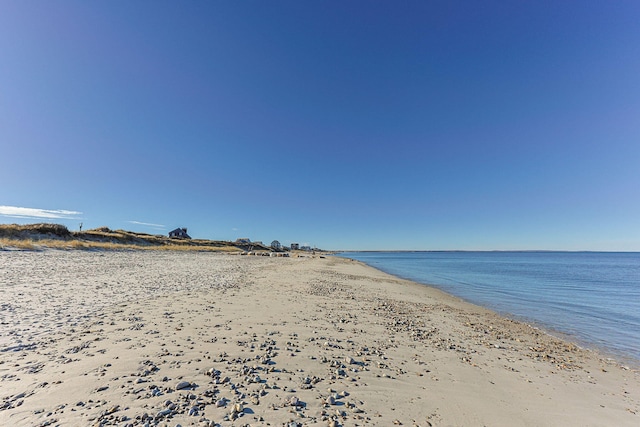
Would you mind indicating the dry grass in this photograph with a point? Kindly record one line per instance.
(34, 245)
(19, 231)
(7, 243)
(39, 236)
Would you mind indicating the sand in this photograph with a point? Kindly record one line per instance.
(172, 338)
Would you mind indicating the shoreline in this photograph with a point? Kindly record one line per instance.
(621, 356)
(109, 337)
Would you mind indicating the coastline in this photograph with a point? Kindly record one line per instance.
(101, 338)
(611, 356)
(556, 311)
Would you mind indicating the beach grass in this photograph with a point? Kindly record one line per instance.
(56, 236)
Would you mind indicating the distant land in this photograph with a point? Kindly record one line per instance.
(471, 250)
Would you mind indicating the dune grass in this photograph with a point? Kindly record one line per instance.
(55, 236)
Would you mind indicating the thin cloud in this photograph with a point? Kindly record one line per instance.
(36, 213)
(148, 224)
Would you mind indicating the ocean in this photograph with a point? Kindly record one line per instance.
(591, 298)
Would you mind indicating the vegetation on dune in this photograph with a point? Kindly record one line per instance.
(35, 236)
(19, 231)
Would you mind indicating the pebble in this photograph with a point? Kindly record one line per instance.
(182, 385)
(164, 412)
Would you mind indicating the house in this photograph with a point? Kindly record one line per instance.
(179, 233)
(243, 241)
(276, 245)
(295, 246)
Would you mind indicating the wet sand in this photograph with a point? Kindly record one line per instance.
(185, 338)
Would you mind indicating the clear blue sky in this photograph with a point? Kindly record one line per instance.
(344, 125)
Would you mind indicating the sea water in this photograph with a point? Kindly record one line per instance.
(593, 297)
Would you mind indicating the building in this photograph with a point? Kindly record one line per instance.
(276, 245)
(243, 241)
(179, 233)
(295, 246)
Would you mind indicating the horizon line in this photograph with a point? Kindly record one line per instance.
(486, 250)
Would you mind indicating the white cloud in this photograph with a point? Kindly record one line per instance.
(18, 212)
(148, 224)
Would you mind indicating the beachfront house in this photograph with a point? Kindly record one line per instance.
(276, 245)
(295, 246)
(179, 233)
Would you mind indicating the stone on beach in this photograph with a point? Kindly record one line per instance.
(183, 385)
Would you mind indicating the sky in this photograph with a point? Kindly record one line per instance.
(344, 125)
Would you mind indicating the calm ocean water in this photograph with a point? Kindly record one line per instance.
(593, 297)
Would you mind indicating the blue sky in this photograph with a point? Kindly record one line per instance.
(344, 125)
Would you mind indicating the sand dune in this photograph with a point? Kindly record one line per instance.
(171, 338)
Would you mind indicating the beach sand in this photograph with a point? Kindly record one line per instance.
(185, 338)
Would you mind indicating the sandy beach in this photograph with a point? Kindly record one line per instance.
(146, 338)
